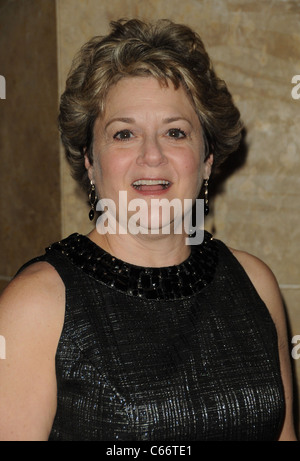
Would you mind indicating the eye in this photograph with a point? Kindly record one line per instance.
(123, 135)
(176, 133)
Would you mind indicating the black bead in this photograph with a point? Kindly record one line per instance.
(91, 214)
(206, 210)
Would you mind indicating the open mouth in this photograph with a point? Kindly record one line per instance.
(148, 185)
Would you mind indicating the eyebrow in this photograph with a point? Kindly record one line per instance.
(176, 119)
(119, 119)
(132, 120)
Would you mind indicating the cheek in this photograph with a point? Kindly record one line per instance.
(191, 175)
(191, 166)
(104, 165)
(110, 173)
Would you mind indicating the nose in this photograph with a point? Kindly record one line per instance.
(151, 153)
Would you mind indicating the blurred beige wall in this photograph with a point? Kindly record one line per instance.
(255, 47)
(29, 142)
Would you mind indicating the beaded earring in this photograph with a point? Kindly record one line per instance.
(206, 207)
(93, 200)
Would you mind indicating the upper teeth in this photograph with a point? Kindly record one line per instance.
(150, 182)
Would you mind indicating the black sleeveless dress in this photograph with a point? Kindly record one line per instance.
(181, 353)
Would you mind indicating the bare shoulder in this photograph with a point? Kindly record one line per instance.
(263, 280)
(34, 289)
(34, 302)
(258, 271)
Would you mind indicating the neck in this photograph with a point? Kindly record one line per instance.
(142, 250)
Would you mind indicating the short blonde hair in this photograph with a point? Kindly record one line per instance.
(164, 50)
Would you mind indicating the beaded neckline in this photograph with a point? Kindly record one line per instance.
(161, 283)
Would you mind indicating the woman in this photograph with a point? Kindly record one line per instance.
(129, 333)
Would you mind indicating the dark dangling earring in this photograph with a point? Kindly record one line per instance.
(206, 207)
(92, 200)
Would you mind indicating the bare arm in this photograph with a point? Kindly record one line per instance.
(267, 287)
(31, 319)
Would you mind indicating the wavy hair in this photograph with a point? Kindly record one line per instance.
(167, 51)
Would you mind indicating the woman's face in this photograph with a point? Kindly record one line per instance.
(148, 143)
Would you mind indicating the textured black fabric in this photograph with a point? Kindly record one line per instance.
(201, 366)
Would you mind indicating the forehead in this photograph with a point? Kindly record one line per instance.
(141, 93)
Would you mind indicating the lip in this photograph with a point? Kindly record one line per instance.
(151, 186)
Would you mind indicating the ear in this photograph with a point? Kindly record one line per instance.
(89, 167)
(208, 166)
